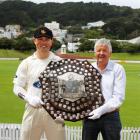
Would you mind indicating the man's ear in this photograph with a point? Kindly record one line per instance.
(33, 39)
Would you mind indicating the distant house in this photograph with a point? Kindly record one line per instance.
(10, 31)
(94, 24)
(63, 49)
(73, 37)
(58, 33)
(135, 40)
(73, 47)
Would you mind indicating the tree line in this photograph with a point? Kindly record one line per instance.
(25, 44)
(117, 47)
(74, 15)
(30, 15)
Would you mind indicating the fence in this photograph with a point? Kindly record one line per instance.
(12, 132)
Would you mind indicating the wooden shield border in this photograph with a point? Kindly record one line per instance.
(76, 110)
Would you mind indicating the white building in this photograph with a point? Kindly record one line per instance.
(135, 40)
(73, 47)
(63, 49)
(10, 31)
(58, 33)
(94, 24)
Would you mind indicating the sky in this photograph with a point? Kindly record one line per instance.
(131, 3)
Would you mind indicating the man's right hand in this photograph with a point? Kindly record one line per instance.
(34, 101)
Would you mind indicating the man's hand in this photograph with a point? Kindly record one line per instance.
(95, 114)
(59, 120)
(34, 101)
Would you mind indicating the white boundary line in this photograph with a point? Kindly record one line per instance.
(91, 60)
(9, 58)
(118, 61)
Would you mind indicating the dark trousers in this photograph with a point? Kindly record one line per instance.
(109, 125)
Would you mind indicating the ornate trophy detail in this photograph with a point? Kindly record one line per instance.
(71, 89)
(71, 86)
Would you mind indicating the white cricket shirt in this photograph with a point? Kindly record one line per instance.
(28, 72)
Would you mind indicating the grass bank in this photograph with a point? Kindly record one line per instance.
(19, 54)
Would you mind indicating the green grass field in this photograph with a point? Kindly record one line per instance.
(130, 111)
(13, 54)
(11, 107)
(115, 56)
(18, 54)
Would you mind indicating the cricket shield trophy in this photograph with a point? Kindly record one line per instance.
(71, 89)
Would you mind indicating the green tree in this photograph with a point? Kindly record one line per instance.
(6, 43)
(23, 44)
(93, 33)
(86, 45)
(75, 29)
(56, 45)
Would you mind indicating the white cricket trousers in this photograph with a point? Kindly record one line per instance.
(37, 121)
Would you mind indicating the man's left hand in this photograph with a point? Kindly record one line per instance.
(59, 120)
(95, 114)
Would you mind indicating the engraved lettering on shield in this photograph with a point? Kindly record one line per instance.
(71, 86)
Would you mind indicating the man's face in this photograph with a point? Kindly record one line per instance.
(43, 43)
(102, 54)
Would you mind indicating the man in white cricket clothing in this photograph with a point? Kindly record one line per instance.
(27, 86)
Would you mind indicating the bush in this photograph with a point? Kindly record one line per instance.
(116, 47)
(6, 43)
(86, 45)
(23, 44)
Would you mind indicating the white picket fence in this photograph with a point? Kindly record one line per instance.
(12, 132)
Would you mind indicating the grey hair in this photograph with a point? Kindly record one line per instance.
(103, 41)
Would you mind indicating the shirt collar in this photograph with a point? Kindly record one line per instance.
(51, 57)
(34, 56)
(108, 67)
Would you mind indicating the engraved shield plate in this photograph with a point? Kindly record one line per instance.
(71, 86)
(71, 89)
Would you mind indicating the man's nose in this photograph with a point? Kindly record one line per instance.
(101, 52)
